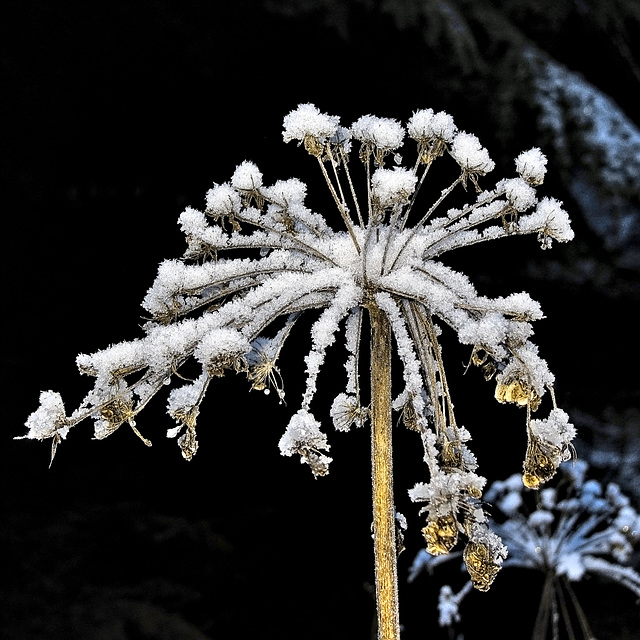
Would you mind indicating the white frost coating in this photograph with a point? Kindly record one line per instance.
(220, 343)
(194, 225)
(472, 157)
(384, 133)
(303, 437)
(185, 397)
(323, 334)
(392, 187)
(411, 365)
(444, 491)
(556, 429)
(490, 331)
(520, 195)
(303, 430)
(425, 126)
(49, 419)
(531, 165)
(351, 341)
(246, 177)
(286, 192)
(223, 200)
(550, 220)
(307, 120)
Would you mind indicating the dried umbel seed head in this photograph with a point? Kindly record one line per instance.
(313, 145)
(217, 366)
(540, 464)
(441, 534)
(116, 412)
(518, 392)
(481, 565)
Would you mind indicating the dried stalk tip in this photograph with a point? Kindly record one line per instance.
(441, 534)
(481, 565)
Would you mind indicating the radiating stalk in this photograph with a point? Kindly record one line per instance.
(384, 532)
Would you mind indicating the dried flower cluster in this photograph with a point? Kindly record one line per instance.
(257, 258)
(578, 528)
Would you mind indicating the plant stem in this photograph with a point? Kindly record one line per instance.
(384, 533)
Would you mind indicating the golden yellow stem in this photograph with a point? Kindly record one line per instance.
(384, 532)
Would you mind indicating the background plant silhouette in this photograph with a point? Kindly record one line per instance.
(577, 530)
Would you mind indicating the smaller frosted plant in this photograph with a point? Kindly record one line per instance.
(258, 258)
(577, 529)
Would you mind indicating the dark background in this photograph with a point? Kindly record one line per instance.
(114, 117)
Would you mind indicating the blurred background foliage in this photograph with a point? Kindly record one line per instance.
(115, 116)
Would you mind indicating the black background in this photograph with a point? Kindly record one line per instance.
(117, 115)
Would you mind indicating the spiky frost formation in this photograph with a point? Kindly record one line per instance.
(257, 258)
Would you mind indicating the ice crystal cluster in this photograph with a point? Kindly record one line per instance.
(579, 528)
(257, 258)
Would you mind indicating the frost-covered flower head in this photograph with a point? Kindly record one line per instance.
(258, 258)
(578, 529)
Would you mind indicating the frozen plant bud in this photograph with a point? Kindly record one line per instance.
(303, 436)
(346, 411)
(549, 444)
(432, 131)
(49, 419)
(309, 125)
(550, 221)
(427, 126)
(246, 177)
(222, 349)
(532, 166)
(472, 157)
(384, 133)
(378, 136)
(391, 187)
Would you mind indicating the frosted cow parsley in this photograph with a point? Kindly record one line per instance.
(233, 313)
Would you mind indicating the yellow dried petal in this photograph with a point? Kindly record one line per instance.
(441, 534)
(480, 564)
(517, 392)
(539, 465)
(312, 145)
